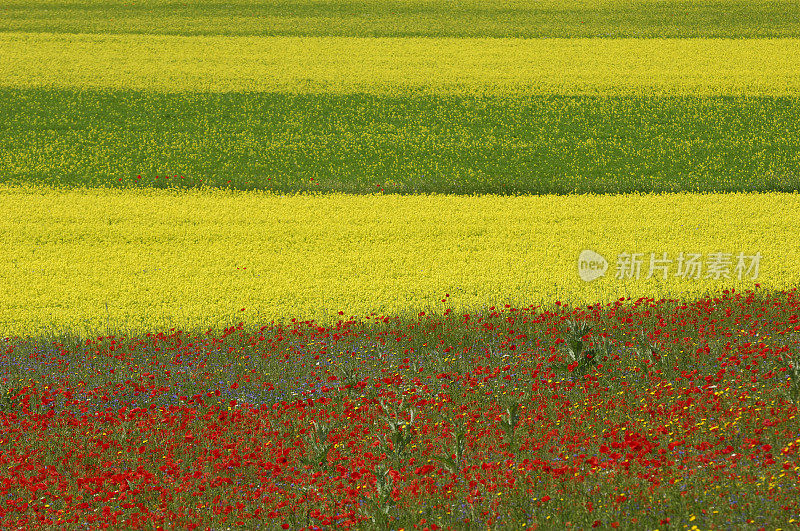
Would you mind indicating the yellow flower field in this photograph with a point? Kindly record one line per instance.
(388, 65)
(181, 257)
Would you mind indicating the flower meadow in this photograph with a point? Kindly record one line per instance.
(656, 414)
(410, 18)
(401, 143)
(398, 66)
(311, 265)
(92, 262)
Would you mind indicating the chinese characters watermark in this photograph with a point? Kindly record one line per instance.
(592, 265)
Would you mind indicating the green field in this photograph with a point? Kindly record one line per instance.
(362, 143)
(459, 18)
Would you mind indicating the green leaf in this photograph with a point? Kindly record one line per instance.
(447, 462)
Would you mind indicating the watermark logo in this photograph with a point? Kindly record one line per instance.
(592, 265)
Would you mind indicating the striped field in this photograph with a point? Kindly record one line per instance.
(361, 143)
(396, 65)
(410, 18)
(399, 264)
(85, 260)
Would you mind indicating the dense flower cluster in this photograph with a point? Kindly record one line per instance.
(687, 417)
(346, 65)
(141, 259)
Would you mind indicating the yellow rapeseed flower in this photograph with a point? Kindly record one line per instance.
(121, 247)
(223, 63)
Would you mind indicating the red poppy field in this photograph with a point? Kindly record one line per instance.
(636, 415)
